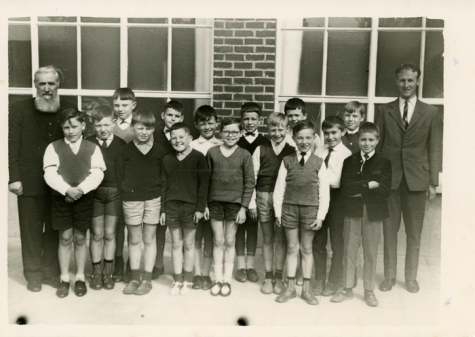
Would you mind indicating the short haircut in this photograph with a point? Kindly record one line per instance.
(369, 127)
(180, 126)
(295, 103)
(355, 106)
(302, 125)
(204, 113)
(70, 113)
(48, 69)
(102, 111)
(175, 105)
(125, 94)
(228, 121)
(144, 117)
(409, 66)
(277, 119)
(251, 107)
(332, 121)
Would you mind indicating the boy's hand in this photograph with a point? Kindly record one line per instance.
(69, 200)
(431, 193)
(241, 217)
(253, 214)
(16, 187)
(198, 216)
(162, 219)
(278, 222)
(316, 225)
(74, 193)
(206, 215)
(373, 184)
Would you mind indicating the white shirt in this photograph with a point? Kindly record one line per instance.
(167, 133)
(251, 138)
(108, 140)
(335, 162)
(352, 132)
(124, 123)
(364, 159)
(290, 140)
(56, 182)
(203, 145)
(323, 190)
(411, 104)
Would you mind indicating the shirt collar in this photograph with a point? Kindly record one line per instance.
(369, 154)
(128, 120)
(411, 101)
(147, 143)
(281, 144)
(76, 142)
(184, 153)
(212, 140)
(336, 148)
(108, 140)
(352, 132)
(299, 153)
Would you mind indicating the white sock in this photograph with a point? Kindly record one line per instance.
(80, 277)
(228, 271)
(65, 278)
(250, 262)
(241, 262)
(218, 272)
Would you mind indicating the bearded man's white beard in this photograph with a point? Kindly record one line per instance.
(47, 106)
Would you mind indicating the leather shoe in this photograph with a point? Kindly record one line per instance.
(278, 287)
(144, 288)
(206, 283)
(156, 272)
(286, 295)
(342, 295)
(387, 284)
(330, 289)
(412, 286)
(51, 281)
(34, 286)
(252, 275)
(370, 299)
(63, 289)
(80, 288)
(308, 297)
(131, 287)
(267, 287)
(241, 275)
(317, 288)
(197, 281)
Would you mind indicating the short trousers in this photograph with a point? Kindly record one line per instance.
(138, 212)
(298, 216)
(265, 206)
(107, 202)
(77, 215)
(227, 211)
(180, 214)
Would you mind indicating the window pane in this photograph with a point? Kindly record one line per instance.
(435, 23)
(394, 48)
(400, 22)
(348, 61)
(306, 22)
(350, 22)
(434, 66)
(19, 56)
(103, 20)
(100, 57)
(57, 19)
(313, 114)
(189, 108)
(335, 109)
(19, 19)
(191, 52)
(183, 21)
(70, 99)
(302, 57)
(147, 20)
(90, 102)
(152, 104)
(12, 99)
(150, 45)
(57, 46)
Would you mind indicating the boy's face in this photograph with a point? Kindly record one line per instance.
(73, 129)
(230, 135)
(295, 116)
(104, 128)
(250, 121)
(142, 133)
(305, 139)
(277, 132)
(171, 116)
(333, 136)
(207, 127)
(353, 120)
(368, 141)
(180, 140)
(123, 108)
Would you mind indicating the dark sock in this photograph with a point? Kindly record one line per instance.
(269, 275)
(188, 276)
(147, 276)
(348, 289)
(108, 261)
(96, 263)
(367, 291)
(178, 278)
(135, 274)
(290, 278)
(278, 275)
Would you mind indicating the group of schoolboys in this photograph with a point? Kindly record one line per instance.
(133, 174)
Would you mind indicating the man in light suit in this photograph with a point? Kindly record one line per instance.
(411, 137)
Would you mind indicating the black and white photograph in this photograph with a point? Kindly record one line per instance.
(211, 169)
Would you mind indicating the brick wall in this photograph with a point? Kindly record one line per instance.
(244, 64)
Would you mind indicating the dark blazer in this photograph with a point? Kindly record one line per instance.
(27, 144)
(377, 168)
(417, 152)
(162, 140)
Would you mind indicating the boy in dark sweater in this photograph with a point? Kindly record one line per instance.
(185, 179)
(73, 169)
(250, 140)
(230, 192)
(107, 204)
(138, 166)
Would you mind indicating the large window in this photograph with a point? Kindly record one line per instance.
(330, 61)
(159, 58)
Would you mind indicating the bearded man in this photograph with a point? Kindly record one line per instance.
(32, 125)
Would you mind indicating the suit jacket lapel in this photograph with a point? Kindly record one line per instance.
(415, 115)
(396, 114)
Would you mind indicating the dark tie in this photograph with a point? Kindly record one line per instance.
(104, 144)
(302, 160)
(250, 134)
(366, 157)
(404, 116)
(166, 131)
(123, 121)
(327, 158)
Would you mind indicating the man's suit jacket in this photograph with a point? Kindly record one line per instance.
(415, 153)
(353, 181)
(27, 144)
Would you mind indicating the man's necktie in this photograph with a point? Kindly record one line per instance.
(327, 158)
(104, 144)
(302, 160)
(404, 116)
